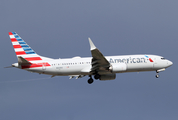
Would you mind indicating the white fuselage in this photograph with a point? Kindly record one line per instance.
(82, 66)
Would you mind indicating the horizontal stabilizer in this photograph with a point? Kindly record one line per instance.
(8, 67)
(23, 61)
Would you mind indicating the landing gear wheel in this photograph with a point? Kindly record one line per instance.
(90, 81)
(97, 76)
(157, 76)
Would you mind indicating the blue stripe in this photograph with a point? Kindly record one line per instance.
(16, 36)
(22, 42)
(24, 46)
(30, 52)
(25, 49)
(19, 40)
(14, 33)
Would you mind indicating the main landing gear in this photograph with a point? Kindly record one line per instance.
(97, 76)
(157, 75)
(90, 80)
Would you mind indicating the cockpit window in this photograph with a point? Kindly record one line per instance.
(162, 58)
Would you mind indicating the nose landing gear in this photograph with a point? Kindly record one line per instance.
(157, 75)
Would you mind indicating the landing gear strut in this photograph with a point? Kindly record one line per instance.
(90, 80)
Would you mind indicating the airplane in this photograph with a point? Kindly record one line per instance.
(99, 66)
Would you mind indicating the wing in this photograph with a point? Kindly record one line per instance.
(100, 64)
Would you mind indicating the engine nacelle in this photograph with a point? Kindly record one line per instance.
(120, 67)
(111, 76)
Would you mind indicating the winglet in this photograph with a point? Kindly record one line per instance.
(92, 46)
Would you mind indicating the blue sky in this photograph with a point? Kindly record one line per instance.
(60, 29)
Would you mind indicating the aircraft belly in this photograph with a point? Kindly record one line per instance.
(47, 70)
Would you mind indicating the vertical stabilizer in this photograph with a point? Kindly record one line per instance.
(27, 57)
(20, 46)
(23, 50)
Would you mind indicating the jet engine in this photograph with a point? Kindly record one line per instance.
(111, 76)
(119, 67)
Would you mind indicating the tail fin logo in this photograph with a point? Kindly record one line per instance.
(27, 58)
(20, 47)
(149, 58)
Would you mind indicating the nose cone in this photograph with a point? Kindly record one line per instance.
(169, 63)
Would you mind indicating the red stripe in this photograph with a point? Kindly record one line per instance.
(33, 58)
(34, 65)
(17, 46)
(14, 40)
(20, 53)
(10, 33)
